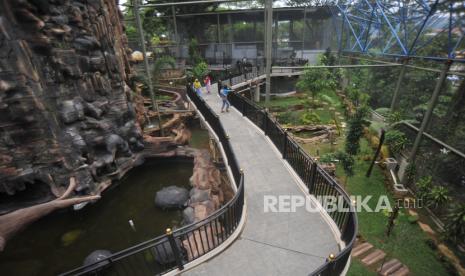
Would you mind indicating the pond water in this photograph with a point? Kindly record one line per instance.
(61, 241)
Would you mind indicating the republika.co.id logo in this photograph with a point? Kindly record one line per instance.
(291, 203)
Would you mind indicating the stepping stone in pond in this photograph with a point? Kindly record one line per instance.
(338, 113)
(361, 249)
(389, 267)
(404, 271)
(373, 257)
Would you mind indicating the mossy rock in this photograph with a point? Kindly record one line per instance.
(413, 219)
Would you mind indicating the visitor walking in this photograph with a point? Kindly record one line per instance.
(208, 83)
(224, 97)
(197, 87)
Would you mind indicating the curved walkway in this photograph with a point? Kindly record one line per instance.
(270, 243)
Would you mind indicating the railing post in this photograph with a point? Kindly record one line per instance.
(175, 249)
(331, 264)
(265, 122)
(285, 145)
(313, 172)
(244, 107)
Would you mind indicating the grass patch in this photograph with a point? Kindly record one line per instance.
(407, 243)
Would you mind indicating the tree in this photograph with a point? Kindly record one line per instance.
(194, 53)
(355, 132)
(328, 58)
(200, 70)
(315, 81)
(347, 161)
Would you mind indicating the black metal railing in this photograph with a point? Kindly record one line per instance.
(317, 180)
(181, 246)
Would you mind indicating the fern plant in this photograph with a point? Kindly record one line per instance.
(396, 141)
(455, 223)
(438, 196)
(424, 185)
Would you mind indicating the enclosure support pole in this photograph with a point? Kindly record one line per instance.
(178, 52)
(146, 64)
(339, 50)
(276, 35)
(231, 31)
(218, 28)
(257, 92)
(268, 46)
(378, 150)
(398, 85)
(303, 32)
(432, 104)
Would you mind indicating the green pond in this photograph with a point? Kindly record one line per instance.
(61, 241)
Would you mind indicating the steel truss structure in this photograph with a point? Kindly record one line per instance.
(401, 28)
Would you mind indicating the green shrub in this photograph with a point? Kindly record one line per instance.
(328, 99)
(327, 158)
(438, 196)
(396, 141)
(310, 118)
(347, 161)
(200, 70)
(455, 223)
(410, 172)
(289, 117)
(424, 185)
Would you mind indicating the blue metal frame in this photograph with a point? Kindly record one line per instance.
(397, 28)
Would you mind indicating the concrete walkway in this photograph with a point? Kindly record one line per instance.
(271, 243)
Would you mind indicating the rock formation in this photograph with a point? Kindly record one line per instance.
(171, 197)
(65, 107)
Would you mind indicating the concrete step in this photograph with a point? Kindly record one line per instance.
(373, 257)
(361, 249)
(403, 271)
(390, 267)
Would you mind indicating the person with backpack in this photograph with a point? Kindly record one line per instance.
(224, 97)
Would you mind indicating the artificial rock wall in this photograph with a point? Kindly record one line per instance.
(65, 107)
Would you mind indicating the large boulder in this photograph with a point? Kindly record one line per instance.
(171, 197)
(97, 256)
